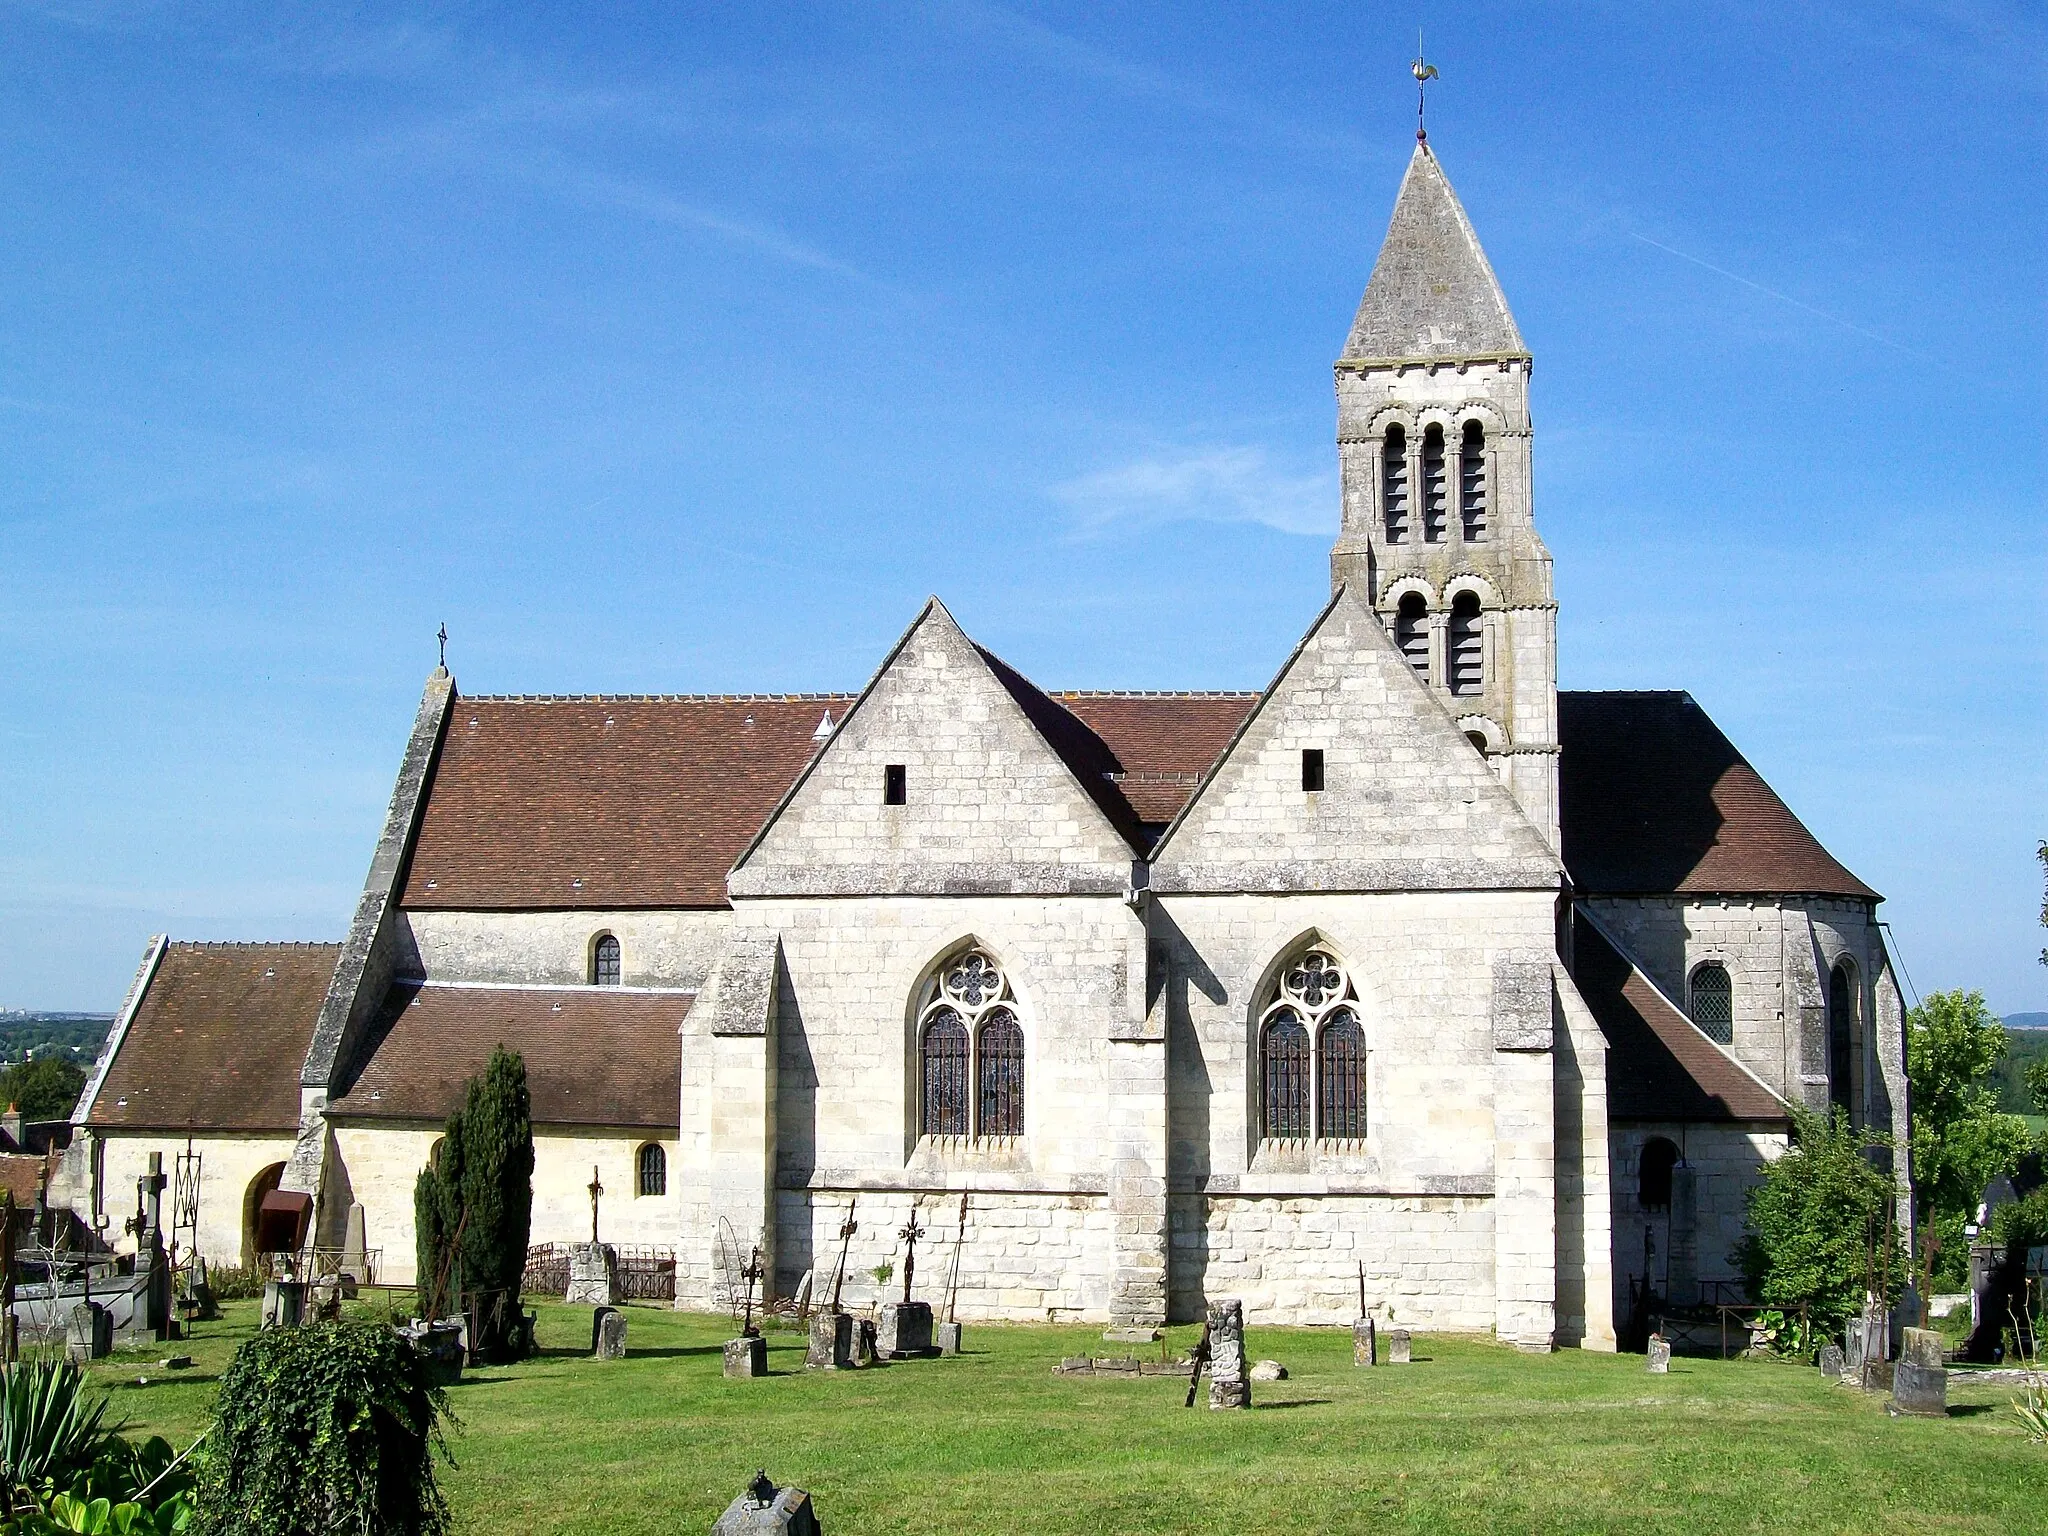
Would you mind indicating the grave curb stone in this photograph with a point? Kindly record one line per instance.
(948, 1338)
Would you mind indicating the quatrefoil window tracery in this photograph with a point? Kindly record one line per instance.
(1312, 1057)
(971, 1052)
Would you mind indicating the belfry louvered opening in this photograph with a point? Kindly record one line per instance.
(1394, 485)
(1465, 646)
(1435, 487)
(1411, 632)
(1472, 482)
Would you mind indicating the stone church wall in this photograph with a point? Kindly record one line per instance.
(229, 1167)
(1727, 1161)
(656, 949)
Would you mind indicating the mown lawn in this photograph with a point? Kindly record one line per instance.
(1472, 1437)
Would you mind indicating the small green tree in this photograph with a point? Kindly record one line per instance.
(326, 1430)
(1960, 1140)
(1820, 1224)
(473, 1207)
(46, 1088)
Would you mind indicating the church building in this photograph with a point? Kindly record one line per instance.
(1408, 965)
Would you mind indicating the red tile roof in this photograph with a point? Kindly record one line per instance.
(602, 1056)
(1653, 798)
(1163, 742)
(218, 1039)
(1659, 1065)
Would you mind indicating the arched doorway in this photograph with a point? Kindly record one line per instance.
(252, 1201)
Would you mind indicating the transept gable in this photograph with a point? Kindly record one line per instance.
(950, 774)
(1405, 803)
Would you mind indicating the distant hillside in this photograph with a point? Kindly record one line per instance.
(2026, 1021)
(25, 1033)
(2023, 1046)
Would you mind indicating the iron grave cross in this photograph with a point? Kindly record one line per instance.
(910, 1235)
(596, 1188)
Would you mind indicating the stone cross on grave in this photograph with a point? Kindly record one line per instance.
(147, 1223)
(910, 1234)
(596, 1188)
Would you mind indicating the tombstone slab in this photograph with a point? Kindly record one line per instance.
(1920, 1379)
(1832, 1364)
(89, 1335)
(785, 1512)
(831, 1347)
(1659, 1355)
(284, 1303)
(903, 1331)
(441, 1345)
(1229, 1381)
(608, 1334)
(1400, 1348)
(864, 1341)
(1130, 1335)
(1365, 1342)
(746, 1358)
(1269, 1370)
(949, 1338)
(593, 1275)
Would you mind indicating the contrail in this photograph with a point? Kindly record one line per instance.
(1847, 325)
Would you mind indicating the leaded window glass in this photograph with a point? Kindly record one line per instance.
(971, 1051)
(1002, 1074)
(1287, 1076)
(604, 962)
(945, 1074)
(1842, 1038)
(1713, 1003)
(1312, 1054)
(653, 1169)
(1340, 1077)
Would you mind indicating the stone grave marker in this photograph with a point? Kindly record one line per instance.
(608, 1334)
(1229, 1381)
(1660, 1355)
(1920, 1379)
(1269, 1370)
(1832, 1363)
(1365, 1342)
(831, 1346)
(948, 1338)
(863, 1341)
(593, 1275)
(89, 1335)
(284, 1303)
(766, 1510)
(1400, 1348)
(746, 1357)
(904, 1330)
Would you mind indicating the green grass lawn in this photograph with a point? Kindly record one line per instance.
(1472, 1437)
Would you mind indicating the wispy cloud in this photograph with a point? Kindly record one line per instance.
(1213, 485)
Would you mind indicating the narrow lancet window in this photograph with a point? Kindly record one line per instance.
(1394, 485)
(1465, 646)
(1842, 1039)
(1340, 1077)
(945, 1074)
(604, 962)
(1713, 1002)
(1411, 632)
(1002, 1074)
(1472, 482)
(1435, 489)
(1285, 1055)
(653, 1169)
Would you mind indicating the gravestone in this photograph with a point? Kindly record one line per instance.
(199, 1291)
(442, 1345)
(948, 1338)
(593, 1275)
(1130, 1335)
(863, 1341)
(1400, 1349)
(904, 1330)
(1269, 1370)
(766, 1510)
(831, 1342)
(608, 1334)
(1229, 1382)
(746, 1357)
(90, 1333)
(284, 1303)
(324, 1296)
(1920, 1379)
(1660, 1355)
(1365, 1343)
(1832, 1365)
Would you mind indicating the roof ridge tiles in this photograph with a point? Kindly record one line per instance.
(255, 943)
(653, 698)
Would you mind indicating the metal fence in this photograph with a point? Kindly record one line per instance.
(645, 1273)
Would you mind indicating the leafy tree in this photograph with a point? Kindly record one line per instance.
(1819, 1224)
(473, 1207)
(1960, 1140)
(46, 1088)
(326, 1430)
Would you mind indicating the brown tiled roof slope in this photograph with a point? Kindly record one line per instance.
(594, 1055)
(218, 1039)
(1163, 742)
(1653, 798)
(1659, 1065)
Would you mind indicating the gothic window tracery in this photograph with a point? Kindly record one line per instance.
(1312, 1054)
(970, 1051)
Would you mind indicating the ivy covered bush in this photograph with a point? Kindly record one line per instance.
(1820, 1225)
(324, 1430)
(473, 1209)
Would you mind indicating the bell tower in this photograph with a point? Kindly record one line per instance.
(1439, 530)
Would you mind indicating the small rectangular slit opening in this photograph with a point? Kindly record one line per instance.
(1312, 768)
(895, 785)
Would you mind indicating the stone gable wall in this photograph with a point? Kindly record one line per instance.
(656, 948)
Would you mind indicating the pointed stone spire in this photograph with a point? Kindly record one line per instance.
(1433, 295)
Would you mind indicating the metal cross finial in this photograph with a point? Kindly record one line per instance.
(443, 638)
(596, 1188)
(910, 1235)
(1424, 73)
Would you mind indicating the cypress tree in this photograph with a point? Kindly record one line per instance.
(473, 1206)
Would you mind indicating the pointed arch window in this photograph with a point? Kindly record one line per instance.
(1312, 1054)
(1435, 487)
(604, 962)
(1411, 632)
(1465, 646)
(1394, 485)
(970, 1051)
(1472, 482)
(1713, 1002)
(1842, 1038)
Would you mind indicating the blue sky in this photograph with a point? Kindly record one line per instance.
(689, 348)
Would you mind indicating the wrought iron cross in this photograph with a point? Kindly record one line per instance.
(846, 1230)
(443, 638)
(910, 1235)
(750, 1274)
(596, 1188)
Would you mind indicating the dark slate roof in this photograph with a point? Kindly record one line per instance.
(1654, 799)
(217, 1039)
(1659, 1065)
(597, 1056)
(1433, 293)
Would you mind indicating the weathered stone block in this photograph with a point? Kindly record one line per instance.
(1229, 1380)
(608, 1334)
(831, 1344)
(443, 1346)
(89, 1334)
(1659, 1355)
(1131, 1335)
(903, 1330)
(1269, 1370)
(1832, 1365)
(765, 1510)
(1919, 1390)
(593, 1275)
(949, 1338)
(1365, 1342)
(746, 1357)
(864, 1350)
(284, 1303)
(1400, 1351)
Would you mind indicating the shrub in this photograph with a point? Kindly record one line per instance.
(473, 1207)
(324, 1430)
(1820, 1225)
(234, 1282)
(51, 1430)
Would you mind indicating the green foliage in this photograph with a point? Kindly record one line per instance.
(473, 1207)
(68, 1512)
(2022, 1223)
(234, 1282)
(1788, 1334)
(321, 1431)
(52, 1430)
(2019, 1078)
(1819, 1224)
(46, 1088)
(1960, 1140)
